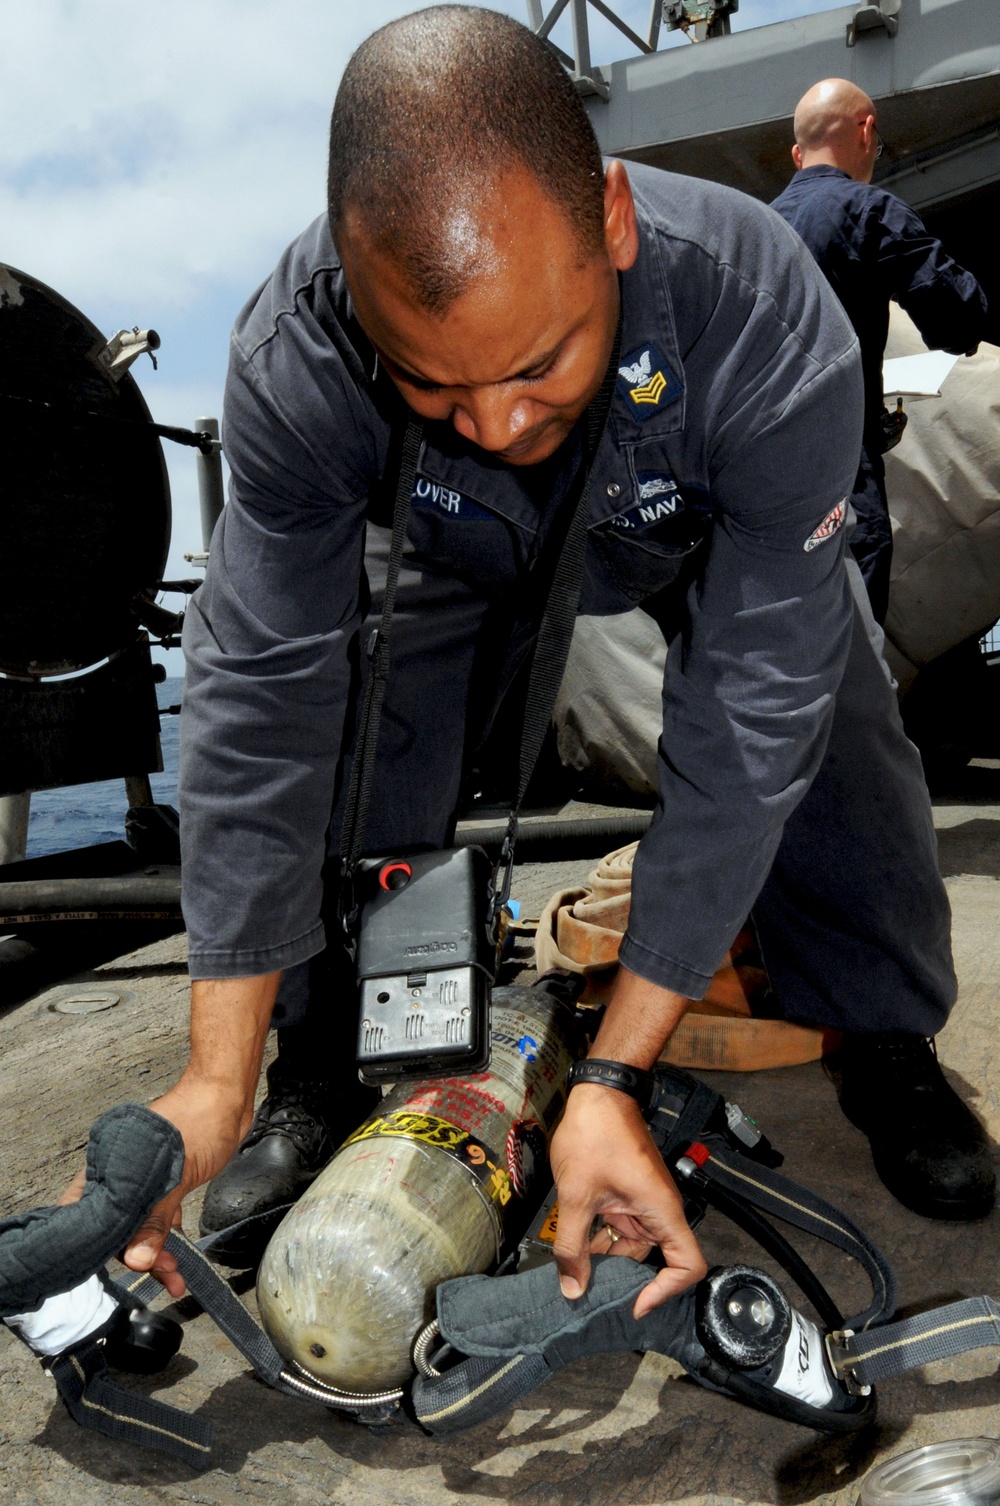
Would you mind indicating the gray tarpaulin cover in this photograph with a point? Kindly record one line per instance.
(943, 482)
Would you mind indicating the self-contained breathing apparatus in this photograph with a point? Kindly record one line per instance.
(497, 1337)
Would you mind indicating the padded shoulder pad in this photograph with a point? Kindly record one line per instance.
(134, 1158)
(527, 1314)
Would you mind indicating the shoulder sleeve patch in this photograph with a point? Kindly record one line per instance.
(829, 526)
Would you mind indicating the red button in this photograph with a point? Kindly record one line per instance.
(395, 875)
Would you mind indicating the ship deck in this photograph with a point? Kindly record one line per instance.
(617, 1429)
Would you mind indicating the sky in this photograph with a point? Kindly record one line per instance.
(156, 158)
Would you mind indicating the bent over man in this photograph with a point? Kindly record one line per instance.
(873, 248)
(472, 267)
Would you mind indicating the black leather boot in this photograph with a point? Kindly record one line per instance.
(296, 1130)
(929, 1149)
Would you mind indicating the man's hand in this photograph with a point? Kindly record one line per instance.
(211, 1105)
(604, 1160)
(212, 1122)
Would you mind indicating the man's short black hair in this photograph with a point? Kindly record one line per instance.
(431, 111)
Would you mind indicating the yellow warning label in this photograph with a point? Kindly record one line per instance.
(548, 1230)
(426, 1127)
(430, 1130)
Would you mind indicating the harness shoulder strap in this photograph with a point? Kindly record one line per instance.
(95, 1401)
(804, 1209)
(862, 1359)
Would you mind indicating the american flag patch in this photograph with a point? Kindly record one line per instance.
(828, 527)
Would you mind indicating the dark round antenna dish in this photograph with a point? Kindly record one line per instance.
(84, 497)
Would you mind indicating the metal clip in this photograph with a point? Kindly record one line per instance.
(841, 1362)
(880, 16)
(126, 346)
(500, 886)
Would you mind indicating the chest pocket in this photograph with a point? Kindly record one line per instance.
(654, 540)
(453, 533)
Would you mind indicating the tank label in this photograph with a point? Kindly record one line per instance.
(804, 1372)
(484, 1163)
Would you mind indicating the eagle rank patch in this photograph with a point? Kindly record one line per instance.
(646, 382)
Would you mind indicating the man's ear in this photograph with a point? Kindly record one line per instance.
(797, 157)
(621, 234)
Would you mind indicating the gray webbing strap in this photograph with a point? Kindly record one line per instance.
(216, 1298)
(862, 1359)
(806, 1210)
(97, 1402)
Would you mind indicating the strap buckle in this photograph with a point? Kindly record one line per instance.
(501, 881)
(842, 1361)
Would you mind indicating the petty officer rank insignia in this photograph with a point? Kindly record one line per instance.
(439, 497)
(646, 383)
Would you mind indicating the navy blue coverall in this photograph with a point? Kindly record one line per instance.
(874, 248)
(719, 499)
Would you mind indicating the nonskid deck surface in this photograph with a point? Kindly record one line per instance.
(620, 1429)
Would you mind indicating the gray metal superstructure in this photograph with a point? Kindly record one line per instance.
(722, 109)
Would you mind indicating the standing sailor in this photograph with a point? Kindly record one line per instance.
(473, 266)
(873, 248)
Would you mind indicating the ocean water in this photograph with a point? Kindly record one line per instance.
(87, 813)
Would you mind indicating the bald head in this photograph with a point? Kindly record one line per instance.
(434, 111)
(835, 125)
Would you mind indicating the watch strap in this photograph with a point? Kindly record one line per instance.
(605, 1074)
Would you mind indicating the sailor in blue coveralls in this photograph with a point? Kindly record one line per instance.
(873, 248)
(479, 281)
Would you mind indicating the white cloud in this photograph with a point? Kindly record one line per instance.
(153, 154)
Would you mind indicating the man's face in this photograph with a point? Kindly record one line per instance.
(517, 357)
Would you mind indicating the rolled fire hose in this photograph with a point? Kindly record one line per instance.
(581, 929)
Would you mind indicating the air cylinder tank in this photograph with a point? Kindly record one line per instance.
(422, 1192)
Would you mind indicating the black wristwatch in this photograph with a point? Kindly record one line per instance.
(631, 1080)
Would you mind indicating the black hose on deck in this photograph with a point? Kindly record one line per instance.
(154, 895)
(553, 837)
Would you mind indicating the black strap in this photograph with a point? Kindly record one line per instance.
(547, 665)
(804, 1209)
(556, 631)
(766, 1190)
(363, 768)
(97, 1402)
